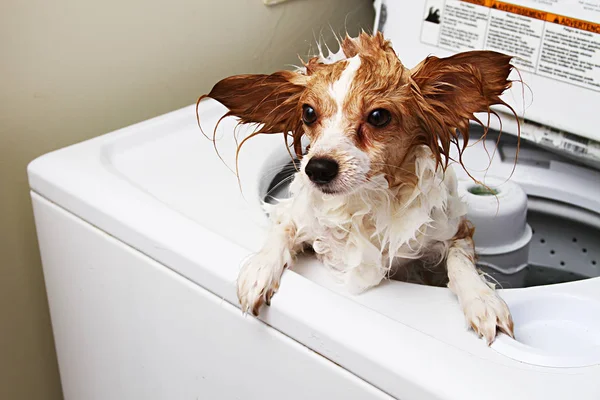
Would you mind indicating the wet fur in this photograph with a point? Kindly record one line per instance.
(394, 204)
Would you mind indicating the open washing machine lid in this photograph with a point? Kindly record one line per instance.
(556, 45)
(159, 187)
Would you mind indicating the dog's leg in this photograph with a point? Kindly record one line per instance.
(483, 308)
(259, 277)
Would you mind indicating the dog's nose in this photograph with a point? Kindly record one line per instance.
(321, 170)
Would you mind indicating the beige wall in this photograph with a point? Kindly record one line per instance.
(74, 69)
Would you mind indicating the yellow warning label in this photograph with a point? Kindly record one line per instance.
(546, 43)
(538, 14)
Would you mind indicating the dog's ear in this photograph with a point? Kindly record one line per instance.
(271, 100)
(449, 91)
(459, 86)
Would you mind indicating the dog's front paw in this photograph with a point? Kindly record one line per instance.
(257, 282)
(486, 312)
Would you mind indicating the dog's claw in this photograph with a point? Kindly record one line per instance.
(487, 313)
(256, 285)
(507, 326)
(268, 295)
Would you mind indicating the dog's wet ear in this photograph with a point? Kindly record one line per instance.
(450, 91)
(459, 86)
(271, 100)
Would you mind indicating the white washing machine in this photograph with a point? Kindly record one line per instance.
(142, 232)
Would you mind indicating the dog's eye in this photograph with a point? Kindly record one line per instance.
(379, 117)
(309, 115)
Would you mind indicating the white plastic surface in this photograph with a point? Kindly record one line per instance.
(555, 331)
(159, 188)
(127, 327)
(500, 220)
(502, 234)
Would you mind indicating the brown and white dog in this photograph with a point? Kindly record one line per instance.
(374, 193)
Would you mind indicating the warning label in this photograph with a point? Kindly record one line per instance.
(555, 41)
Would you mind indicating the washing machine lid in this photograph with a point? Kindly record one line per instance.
(159, 187)
(556, 45)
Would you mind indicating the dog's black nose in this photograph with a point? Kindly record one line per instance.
(321, 170)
